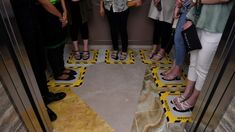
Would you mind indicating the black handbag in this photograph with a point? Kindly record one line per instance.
(191, 39)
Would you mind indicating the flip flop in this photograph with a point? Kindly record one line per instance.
(171, 78)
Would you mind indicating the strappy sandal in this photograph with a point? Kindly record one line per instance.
(86, 55)
(152, 54)
(171, 78)
(178, 99)
(123, 55)
(77, 55)
(114, 55)
(158, 57)
(184, 107)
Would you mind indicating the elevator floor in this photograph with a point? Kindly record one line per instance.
(113, 98)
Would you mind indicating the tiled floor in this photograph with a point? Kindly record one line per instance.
(121, 98)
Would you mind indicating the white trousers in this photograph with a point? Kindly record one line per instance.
(200, 60)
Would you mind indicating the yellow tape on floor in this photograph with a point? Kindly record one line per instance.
(73, 83)
(173, 116)
(92, 60)
(74, 115)
(144, 54)
(130, 58)
(167, 84)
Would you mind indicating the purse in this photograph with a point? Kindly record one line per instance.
(191, 39)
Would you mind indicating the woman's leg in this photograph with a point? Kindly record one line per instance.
(123, 29)
(55, 59)
(179, 49)
(165, 34)
(112, 18)
(75, 14)
(209, 42)
(156, 39)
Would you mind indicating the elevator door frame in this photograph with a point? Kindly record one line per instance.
(17, 74)
(208, 94)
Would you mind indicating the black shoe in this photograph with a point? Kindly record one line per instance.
(51, 97)
(51, 114)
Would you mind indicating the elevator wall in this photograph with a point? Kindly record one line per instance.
(140, 27)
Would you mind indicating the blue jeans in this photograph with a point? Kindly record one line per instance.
(179, 42)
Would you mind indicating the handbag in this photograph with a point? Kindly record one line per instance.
(191, 39)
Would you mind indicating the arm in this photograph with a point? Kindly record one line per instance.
(101, 8)
(50, 8)
(64, 19)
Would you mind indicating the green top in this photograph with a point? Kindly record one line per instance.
(213, 17)
(53, 1)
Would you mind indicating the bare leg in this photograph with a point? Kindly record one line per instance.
(154, 51)
(189, 89)
(159, 55)
(75, 46)
(85, 45)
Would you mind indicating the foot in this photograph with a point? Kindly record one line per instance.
(114, 55)
(165, 72)
(51, 97)
(178, 99)
(77, 55)
(51, 114)
(183, 107)
(153, 53)
(123, 55)
(158, 57)
(70, 72)
(64, 77)
(86, 55)
(169, 77)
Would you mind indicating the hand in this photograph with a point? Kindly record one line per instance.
(64, 20)
(177, 12)
(187, 24)
(102, 12)
(179, 3)
(138, 3)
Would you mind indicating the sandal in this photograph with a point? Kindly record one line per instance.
(114, 55)
(123, 55)
(178, 99)
(165, 72)
(69, 72)
(86, 55)
(183, 107)
(152, 54)
(158, 57)
(60, 77)
(171, 78)
(77, 55)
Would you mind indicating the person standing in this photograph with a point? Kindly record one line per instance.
(161, 11)
(79, 11)
(210, 26)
